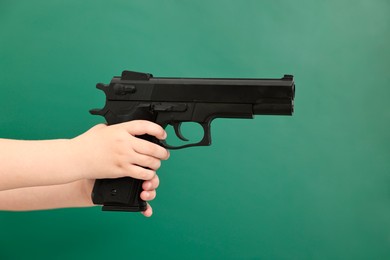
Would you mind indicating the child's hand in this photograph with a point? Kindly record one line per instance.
(115, 151)
(148, 193)
(44, 169)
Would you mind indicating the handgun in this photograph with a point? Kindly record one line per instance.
(174, 101)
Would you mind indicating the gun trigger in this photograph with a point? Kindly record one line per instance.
(177, 127)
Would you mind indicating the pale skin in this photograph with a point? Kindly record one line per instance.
(48, 174)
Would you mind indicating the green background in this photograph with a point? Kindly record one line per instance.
(312, 186)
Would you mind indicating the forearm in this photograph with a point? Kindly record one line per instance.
(101, 152)
(36, 163)
(75, 194)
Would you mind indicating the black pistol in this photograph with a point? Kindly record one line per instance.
(173, 101)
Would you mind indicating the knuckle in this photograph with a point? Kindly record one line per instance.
(156, 182)
(144, 124)
(146, 148)
(147, 174)
(152, 195)
(122, 167)
(157, 151)
(139, 173)
(134, 172)
(149, 161)
(166, 154)
(157, 164)
(118, 161)
(152, 162)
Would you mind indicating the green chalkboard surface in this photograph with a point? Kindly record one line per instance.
(312, 186)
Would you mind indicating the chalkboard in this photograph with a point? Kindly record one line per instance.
(312, 186)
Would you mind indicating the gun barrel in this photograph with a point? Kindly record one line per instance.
(268, 96)
(272, 107)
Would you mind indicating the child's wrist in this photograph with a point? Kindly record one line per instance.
(78, 158)
(85, 187)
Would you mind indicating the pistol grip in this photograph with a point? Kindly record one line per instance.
(122, 194)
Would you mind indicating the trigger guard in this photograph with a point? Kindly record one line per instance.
(206, 141)
(179, 134)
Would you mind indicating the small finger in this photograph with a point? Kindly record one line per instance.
(146, 161)
(148, 212)
(151, 184)
(151, 149)
(148, 195)
(141, 173)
